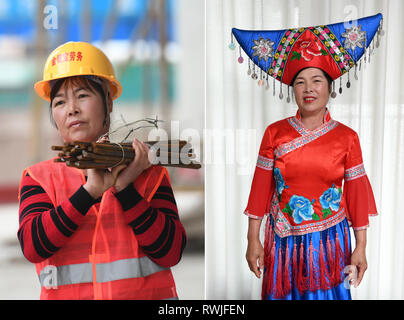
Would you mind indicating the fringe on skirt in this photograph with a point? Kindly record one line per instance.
(306, 263)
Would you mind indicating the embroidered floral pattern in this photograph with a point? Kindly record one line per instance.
(304, 139)
(355, 172)
(282, 224)
(307, 50)
(284, 228)
(265, 163)
(283, 51)
(354, 37)
(330, 201)
(263, 49)
(300, 209)
(334, 47)
(280, 182)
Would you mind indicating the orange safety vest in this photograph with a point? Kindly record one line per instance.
(102, 259)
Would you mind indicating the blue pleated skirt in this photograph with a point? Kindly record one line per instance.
(305, 273)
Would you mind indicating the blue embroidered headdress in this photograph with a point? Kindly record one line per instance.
(334, 48)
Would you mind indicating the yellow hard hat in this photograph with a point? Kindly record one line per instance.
(76, 59)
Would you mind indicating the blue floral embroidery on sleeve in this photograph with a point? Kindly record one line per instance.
(302, 209)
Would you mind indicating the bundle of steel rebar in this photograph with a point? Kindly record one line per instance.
(103, 155)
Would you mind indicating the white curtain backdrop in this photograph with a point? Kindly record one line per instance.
(238, 111)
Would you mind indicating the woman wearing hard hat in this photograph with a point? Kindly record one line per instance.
(91, 238)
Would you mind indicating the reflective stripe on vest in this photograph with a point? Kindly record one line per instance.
(102, 250)
(53, 276)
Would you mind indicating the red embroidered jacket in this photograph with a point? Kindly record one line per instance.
(299, 175)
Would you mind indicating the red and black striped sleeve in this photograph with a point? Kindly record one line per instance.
(156, 224)
(44, 229)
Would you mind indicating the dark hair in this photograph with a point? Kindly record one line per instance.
(326, 75)
(77, 80)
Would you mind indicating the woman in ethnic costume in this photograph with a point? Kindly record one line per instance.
(302, 163)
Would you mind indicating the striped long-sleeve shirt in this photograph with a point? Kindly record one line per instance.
(44, 229)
